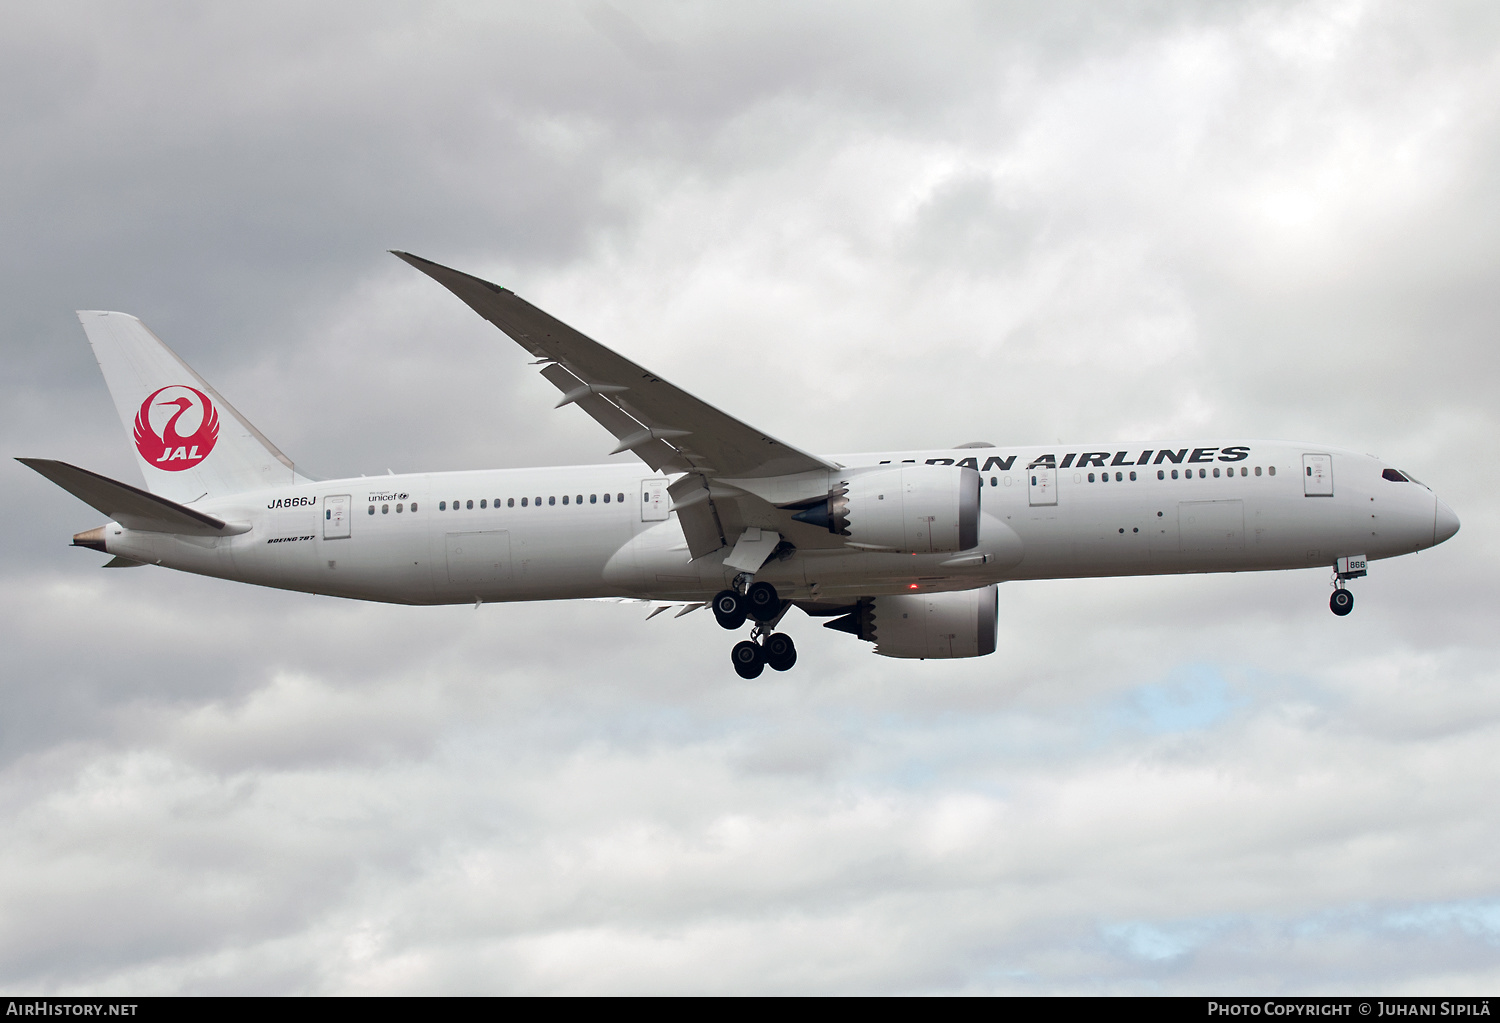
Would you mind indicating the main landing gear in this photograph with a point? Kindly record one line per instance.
(764, 647)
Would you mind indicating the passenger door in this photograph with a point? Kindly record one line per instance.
(655, 503)
(336, 517)
(1041, 485)
(1317, 475)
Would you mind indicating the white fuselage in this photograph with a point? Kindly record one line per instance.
(606, 530)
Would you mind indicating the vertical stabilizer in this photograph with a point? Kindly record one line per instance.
(189, 441)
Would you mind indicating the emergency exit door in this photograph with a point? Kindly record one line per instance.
(1317, 475)
(1041, 485)
(336, 517)
(654, 501)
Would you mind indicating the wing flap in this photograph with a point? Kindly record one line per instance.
(698, 515)
(702, 437)
(130, 506)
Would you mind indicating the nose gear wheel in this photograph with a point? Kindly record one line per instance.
(1342, 602)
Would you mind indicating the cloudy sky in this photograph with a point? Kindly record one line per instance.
(855, 226)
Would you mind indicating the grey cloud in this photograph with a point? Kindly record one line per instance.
(855, 228)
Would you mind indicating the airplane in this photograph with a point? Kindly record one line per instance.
(904, 549)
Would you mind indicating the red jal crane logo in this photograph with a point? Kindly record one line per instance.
(161, 427)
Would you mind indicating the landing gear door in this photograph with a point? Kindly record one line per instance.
(1317, 475)
(1041, 485)
(654, 501)
(336, 517)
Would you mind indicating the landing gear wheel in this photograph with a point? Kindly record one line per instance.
(781, 652)
(762, 602)
(1341, 603)
(749, 660)
(729, 609)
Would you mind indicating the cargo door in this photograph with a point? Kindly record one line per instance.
(654, 501)
(1042, 485)
(1211, 526)
(1317, 475)
(336, 517)
(478, 562)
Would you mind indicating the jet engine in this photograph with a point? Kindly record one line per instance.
(923, 625)
(924, 509)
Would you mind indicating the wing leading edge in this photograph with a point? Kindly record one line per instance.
(665, 426)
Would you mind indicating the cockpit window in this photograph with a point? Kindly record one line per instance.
(1394, 476)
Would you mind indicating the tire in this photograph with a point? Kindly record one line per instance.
(748, 658)
(781, 652)
(762, 602)
(1341, 603)
(729, 609)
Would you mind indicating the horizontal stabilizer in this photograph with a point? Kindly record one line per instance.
(130, 506)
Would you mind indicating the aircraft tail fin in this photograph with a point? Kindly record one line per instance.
(190, 442)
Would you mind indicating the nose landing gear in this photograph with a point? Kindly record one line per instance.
(1344, 569)
(1342, 601)
(764, 647)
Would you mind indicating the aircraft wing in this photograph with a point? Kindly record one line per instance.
(665, 426)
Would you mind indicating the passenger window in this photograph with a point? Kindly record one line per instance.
(414, 506)
(1091, 477)
(1132, 477)
(537, 502)
(442, 506)
(398, 509)
(1216, 472)
(523, 502)
(620, 498)
(1160, 474)
(551, 500)
(469, 505)
(993, 482)
(593, 499)
(1174, 474)
(482, 504)
(1271, 470)
(1203, 474)
(385, 509)
(578, 498)
(606, 499)
(510, 502)
(372, 509)
(565, 499)
(1257, 470)
(1119, 477)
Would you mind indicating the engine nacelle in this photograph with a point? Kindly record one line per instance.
(926, 509)
(963, 624)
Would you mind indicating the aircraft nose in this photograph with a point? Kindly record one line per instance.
(1444, 524)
